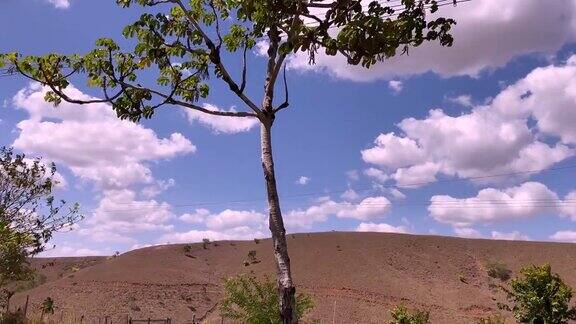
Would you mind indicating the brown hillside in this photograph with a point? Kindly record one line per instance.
(352, 277)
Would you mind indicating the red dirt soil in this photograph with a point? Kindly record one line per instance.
(352, 277)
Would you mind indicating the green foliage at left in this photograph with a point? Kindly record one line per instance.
(252, 301)
(29, 215)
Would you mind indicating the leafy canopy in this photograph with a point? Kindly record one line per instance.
(29, 213)
(184, 43)
(541, 296)
(253, 301)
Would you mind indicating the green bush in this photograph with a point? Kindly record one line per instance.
(498, 270)
(493, 319)
(205, 243)
(540, 296)
(256, 302)
(187, 248)
(401, 315)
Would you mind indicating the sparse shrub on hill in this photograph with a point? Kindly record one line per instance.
(401, 315)
(257, 241)
(541, 297)
(498, 270)
(205, 243)
(252, 301)
(187, 248)
(493, 319)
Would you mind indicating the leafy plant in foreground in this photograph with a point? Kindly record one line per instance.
(541, 297)
(256, 302)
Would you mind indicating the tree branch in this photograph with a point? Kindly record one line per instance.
(217, 60)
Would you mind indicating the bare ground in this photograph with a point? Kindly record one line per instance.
(352, 277)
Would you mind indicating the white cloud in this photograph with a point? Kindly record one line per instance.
(91, 140)
(512, 236)
(368, 209)
(376, 174)
(303, 181)
(197, 217)
(568, 208)
(350, 194)
(492, 205)
(396, 86)
(112, 154)
(486, 37)
(531, 121)
(229, 219)
(120, 215)
(462, 100)
(564, 236)
(60, 4)
(158, 187)
(72, 250)
(221, 124)
(226, 225)
(467, 232)
(394, 151)
(417, 175)
(192, 236)
(381, 227)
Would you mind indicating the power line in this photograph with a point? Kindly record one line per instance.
(143, 206)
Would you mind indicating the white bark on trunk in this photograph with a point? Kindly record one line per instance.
(286, 289)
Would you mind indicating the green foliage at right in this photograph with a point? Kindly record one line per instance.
(401, 315)
(256, 302)
(541, 297)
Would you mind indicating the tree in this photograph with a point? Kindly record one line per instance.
(29, 214)
(541, 296)
(253, 301)
(186, 42)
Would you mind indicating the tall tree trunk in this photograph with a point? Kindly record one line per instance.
(286, 289)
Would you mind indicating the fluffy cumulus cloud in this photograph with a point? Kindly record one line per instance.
(381, 227)
(221, 124)
(112, 154)
(370, 208)
(91, 140)
(564, 236)
(60, 4)
(120, 215)
(486, 37)
(531, 121)
(492, 205)
(226, 225)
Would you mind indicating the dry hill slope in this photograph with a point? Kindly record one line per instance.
(352, 277)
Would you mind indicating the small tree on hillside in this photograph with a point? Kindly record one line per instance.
(29, 214)
(252, 301)
(541, 297)
(186, 42)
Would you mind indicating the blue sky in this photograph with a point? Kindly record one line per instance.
(348, 151)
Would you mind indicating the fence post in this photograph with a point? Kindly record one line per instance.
(149, 320)
(26, 305)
